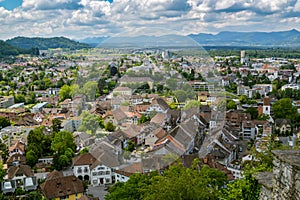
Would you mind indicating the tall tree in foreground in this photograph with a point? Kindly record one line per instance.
(177, 182)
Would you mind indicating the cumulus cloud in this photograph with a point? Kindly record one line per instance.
(78, 18)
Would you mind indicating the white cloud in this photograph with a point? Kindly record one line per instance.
(80, 18)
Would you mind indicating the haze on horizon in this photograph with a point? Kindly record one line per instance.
(91, 18)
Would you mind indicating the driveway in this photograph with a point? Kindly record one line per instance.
(97, 191)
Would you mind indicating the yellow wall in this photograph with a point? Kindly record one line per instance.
(72, 197)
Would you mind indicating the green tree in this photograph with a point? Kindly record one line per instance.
(64, 92)
(284, 108)
(109, 126)
(89, 123)
(56, 125)
(231, 105)
(31, 158)
(177, 182)
(243, 99)
(253, 112)
(62, 141)
(2, 172)
(90, 89)
(4, 122)
(143, 119)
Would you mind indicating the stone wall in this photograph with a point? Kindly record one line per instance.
(284, 182)
(286, 171)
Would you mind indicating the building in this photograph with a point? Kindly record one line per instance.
(6, 101)
(57, 186)
(248, 130)
(38, 107)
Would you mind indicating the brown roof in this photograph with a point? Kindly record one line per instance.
(267, 101)
(17, 157)
(158, 118)
(60, 186)
(19, 171)
(83, 159)
(17, 145)
(159, 133)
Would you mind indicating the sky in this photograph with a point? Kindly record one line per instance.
(78, 19)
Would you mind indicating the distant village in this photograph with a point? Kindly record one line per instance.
(138, 113)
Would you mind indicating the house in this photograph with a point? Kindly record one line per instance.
(123, 91)
(283, 126)
(154, 136)
(8, 186)
(158, 105)
(202, 96)
(16, 159)
(81, 166)
(6, 101)
(249, 130)
(83, 139)
(125, 115)
(124, 80)
(38, 107)
(57, 186)
(17, 148)
(23, 177)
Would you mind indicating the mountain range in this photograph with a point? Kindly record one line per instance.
(289, 38)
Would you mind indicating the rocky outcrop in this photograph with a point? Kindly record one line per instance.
(284, 182)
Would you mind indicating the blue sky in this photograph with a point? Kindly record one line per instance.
(91, 18)
(10, 4)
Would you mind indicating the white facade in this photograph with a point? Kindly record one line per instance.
(82, 172)
(101, 175)
(267, 110)
(235, 170)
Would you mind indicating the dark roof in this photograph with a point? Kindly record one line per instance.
(17, 157)
(56, 187)
(19, 170)
(280, 122)
(83, 159)
(162, 103)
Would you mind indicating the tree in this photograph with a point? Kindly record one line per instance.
(63, 146)
(177, 182)
(253, 112)
(243, 99)
(231, 105)
(56, 125)
(31, 158)
(180, 95)
(109, 126)
(2, 172)
(64, 92)
(4, 122)
(89, 123)
(62, 141)
(143, 119)
(284, 108)
(90, 89)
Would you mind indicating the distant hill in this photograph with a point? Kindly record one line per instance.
(46, 43)
(227, 38)
(9, 50)
(93, 41)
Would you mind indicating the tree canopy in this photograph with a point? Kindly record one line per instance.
(177, 182)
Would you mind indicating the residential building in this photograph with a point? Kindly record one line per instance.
(6, 101)
(57, 186)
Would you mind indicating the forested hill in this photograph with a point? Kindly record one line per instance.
(46, 43)
(9, 50)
